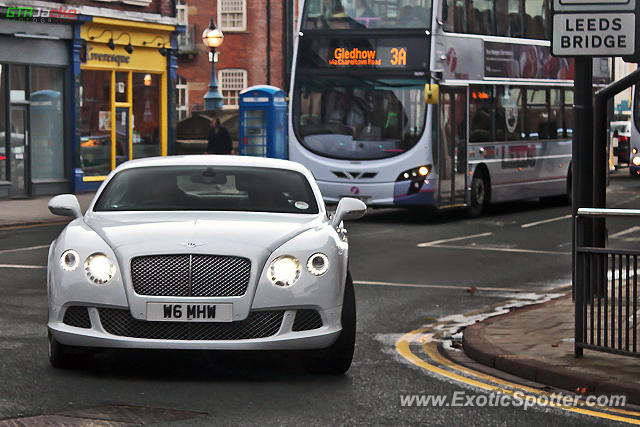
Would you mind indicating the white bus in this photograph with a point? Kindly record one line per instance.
(499, 129)
(634, 144)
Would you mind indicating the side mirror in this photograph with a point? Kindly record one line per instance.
(348, 208)
(65, 205)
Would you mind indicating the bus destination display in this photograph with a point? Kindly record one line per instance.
(392, 56)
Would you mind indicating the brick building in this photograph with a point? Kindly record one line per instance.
(257, 48)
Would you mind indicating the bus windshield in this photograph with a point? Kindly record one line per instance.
(360, 14)
(358, 118)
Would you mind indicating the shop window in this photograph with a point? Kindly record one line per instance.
(94, 155)
(47, 123)
(182, 98)
(231, 83)
(232, 15)
(481, 112)
(3, 132)
(182, 12)
(146, 115)
(18, 79)
(537, 123)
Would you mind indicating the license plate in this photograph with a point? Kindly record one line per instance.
(187, 312)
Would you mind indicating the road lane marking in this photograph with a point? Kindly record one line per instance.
(545, 221)
(403, 347)
(625, 232)
(30, 248)
(416, 285)
(455, 239)
(35, 267)
(492, 249)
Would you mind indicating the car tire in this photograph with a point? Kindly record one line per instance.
(336, 359)
(479, 194)
(60, 355)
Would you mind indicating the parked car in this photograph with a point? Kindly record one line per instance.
(204, 252)
(620, 143)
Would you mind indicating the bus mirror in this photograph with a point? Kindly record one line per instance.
(431, 93)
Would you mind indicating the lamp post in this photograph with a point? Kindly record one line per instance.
(212, 38)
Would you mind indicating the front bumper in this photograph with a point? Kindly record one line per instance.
(285, 338)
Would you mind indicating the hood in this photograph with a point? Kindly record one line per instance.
(212, 232)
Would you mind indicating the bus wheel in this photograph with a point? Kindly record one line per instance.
(479, 194)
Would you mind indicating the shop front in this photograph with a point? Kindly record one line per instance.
(34, 108)
(123, 103)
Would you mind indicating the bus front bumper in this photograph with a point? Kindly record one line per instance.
(379, 194)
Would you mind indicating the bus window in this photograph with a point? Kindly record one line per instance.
(537, 114)
(535, 14)
(509, 114)
(481, 108)
(361, 14)
(480, 15)
(555, 114)
(567, 117)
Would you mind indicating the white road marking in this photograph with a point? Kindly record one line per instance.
(22, 266)
(416, 285)
(455, 239)
(624, 232)
(491, 249)
(30, 248)
(545, 221)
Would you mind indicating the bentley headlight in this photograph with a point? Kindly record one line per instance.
(284, 270)
(318, 264)
(69, 260)
(99, 268)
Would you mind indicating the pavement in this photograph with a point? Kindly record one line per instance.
(19, 212)
(536, 343)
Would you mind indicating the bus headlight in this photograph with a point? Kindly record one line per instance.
(634, 151)
(415, 174)
(636, 161)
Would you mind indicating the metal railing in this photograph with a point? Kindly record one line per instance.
(606, 293)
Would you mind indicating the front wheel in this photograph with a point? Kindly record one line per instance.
(479, 194)
(60, 355)
(336, 360)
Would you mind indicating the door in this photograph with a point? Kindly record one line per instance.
(19, 153)
(452, 162)
(122, 135)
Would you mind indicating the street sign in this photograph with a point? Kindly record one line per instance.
(596, 28)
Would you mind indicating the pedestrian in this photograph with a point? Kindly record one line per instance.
(219, 139)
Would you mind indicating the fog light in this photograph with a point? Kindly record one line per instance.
(69, 260)
(318, 264)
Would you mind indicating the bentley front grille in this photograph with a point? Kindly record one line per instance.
(259, 324)
(190, 275)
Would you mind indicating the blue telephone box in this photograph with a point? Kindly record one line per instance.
(263, 122)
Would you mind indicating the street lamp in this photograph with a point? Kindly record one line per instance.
(212, 38)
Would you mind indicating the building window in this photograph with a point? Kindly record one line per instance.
(232, 15)
(182, 98)
(232, 81)
(182, 13)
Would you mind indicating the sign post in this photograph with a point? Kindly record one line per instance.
(585, 29)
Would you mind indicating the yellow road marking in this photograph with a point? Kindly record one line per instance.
(403, 347)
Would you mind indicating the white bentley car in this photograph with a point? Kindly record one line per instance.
(204, 252)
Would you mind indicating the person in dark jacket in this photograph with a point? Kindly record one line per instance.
(220, 141)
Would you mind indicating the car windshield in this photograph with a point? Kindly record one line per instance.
(208, 188)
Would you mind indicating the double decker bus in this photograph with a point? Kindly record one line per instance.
(435, 103)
